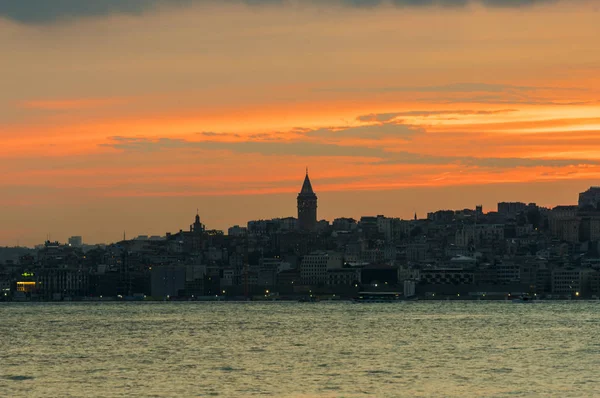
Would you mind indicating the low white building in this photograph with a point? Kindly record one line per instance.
(314, 266)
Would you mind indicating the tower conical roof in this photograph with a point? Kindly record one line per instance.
(307, 187)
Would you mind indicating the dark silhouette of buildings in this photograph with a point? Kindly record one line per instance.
(307, 206)
(456, 254)
(590, 199)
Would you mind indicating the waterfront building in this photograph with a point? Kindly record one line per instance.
(290, 277)
(447, 276)
(379, 275)
(59, 283)
(167, 281)
(571, 281)
(347, 276)
(268, 268)
(314, 266)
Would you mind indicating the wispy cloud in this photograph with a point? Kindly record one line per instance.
(508, 100)
(377, 131)
(378, 155)
(486, 162)
(211, 134)
(467, 87)
(266, 148)
(386, 117)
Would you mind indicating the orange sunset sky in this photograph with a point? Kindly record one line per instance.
(129, 115)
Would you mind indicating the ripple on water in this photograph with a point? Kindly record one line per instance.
(501, 370)
(210, 393)
(19, 378)
(378, 372)
(230, 369)
(256, 349)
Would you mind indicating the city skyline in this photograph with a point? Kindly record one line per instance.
(306, 217)
(130, 115)
(520, 249)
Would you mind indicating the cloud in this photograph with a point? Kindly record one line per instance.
(40, 11)
(466, 88)
(386, 129)
(377, 131)
(472, 93)
(267, 148)
(486, 162)
(143, 144)
(275, 136)
(386, 117)
(307, 149)
(49, 11)
(507, 100)
(454, 88)
(211, 134)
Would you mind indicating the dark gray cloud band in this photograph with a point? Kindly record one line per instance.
(304, 149)
(50, 11)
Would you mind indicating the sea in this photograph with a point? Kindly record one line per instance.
(279, 349)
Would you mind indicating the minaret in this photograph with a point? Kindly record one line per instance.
(307, 206)
(197, 225)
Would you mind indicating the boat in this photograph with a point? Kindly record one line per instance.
(378, 297)
(524, 298)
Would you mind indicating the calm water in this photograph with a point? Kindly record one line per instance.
(292, 349)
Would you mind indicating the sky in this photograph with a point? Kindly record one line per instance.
(130, 115)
